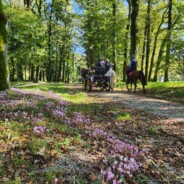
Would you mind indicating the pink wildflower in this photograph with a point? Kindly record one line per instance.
(56, 180)
(110, 175)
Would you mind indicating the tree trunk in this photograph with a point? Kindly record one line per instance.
(133, 28)
(27, 4)
(159, 59)
(63, 70)
(155, 46)
(144, 48)
(114, 53)
(60, 63)
(167, 63)
(4, 76)
(37, 73)
(49, 46)
(12, 73)
(19, 72)
(126, 42)
(32, 72)
(89, 49)
(148, 39)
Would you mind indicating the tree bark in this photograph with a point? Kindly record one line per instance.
(126, 42)
(60, 63)
(159, 59)
(144, 48)
(114, 53)
(167, 63)
(19, 71)
(49, 46)
(155, 46)
(148, 40)
(4, 74)
(133, 28)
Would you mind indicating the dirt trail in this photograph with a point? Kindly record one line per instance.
(167, 109)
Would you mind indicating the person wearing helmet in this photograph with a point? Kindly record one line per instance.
(100, 63)
(133, 65)
(107, 65)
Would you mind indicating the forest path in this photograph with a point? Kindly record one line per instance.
(159, 107)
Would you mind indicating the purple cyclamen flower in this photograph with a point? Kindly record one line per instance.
(110, 175)
(114, 181)
(39, 129)
(56, 180)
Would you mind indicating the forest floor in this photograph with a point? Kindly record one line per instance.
(133, 118)
(155, 124)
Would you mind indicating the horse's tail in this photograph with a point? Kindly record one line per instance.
(144, 82)
(113, 79)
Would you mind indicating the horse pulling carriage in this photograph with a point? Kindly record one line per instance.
(98, 78)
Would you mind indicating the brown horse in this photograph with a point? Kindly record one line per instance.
(133, 77)
(84, 73)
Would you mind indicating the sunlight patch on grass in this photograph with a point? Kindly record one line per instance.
(57, 88)
(75, 98)
(161, 85)
(123, 116)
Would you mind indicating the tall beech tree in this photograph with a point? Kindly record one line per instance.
(166, 74)
(126, 40)
(4, 75)
(114, 34)
(147, 39)
(133, 28)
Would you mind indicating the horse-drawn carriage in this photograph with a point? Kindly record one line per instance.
(98, 78)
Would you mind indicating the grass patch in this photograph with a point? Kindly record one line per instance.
(59, 89)
(173, 91)
(153, 130)
(123, 116)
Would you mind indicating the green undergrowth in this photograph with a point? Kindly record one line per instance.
(67, 93)
(166, 90)
(173, 90)
(23, 152)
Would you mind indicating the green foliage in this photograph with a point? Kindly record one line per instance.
(166, 90)
(153, 129)
(123, 116)
(58, 88)
(36, 144)
(140, 178)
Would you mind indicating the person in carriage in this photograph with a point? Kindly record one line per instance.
(107, 65)
(99, 69)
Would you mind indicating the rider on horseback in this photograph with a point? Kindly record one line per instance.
(133, 65)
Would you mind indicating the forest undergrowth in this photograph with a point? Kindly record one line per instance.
(46, 139)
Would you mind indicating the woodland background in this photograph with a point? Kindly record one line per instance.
(53, 40)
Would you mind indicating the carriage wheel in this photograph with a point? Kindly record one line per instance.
(89, 85)
(108, 87)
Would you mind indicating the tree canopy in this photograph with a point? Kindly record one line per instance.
(45, 38)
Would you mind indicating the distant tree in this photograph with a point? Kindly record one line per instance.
(4, 75)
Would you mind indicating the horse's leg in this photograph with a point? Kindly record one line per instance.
(85, 84)
(135, 86)
(127, 86)
(143, 84)
(143, 88)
